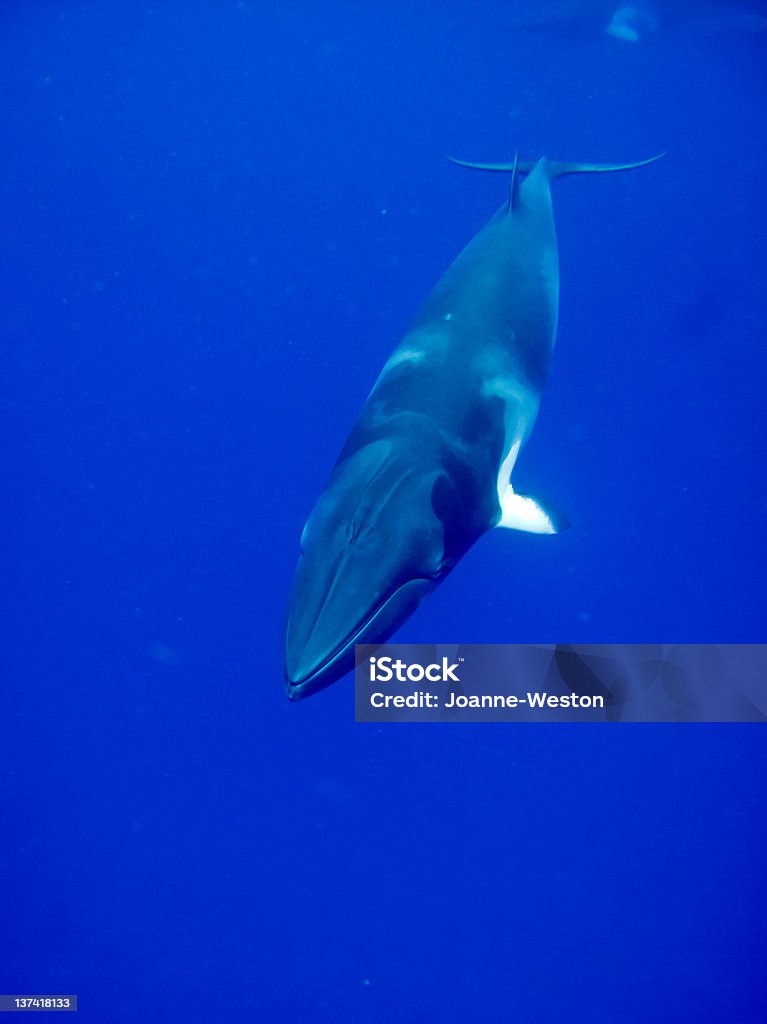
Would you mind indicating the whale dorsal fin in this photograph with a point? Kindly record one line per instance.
(514, 186)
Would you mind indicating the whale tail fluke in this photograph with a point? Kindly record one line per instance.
(556, 168)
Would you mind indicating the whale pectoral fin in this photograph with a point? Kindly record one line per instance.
(522, 512)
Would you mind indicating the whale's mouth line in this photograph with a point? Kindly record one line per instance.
(340, 648)
(297, 687)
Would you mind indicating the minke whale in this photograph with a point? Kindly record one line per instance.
(426, 470)
(634, 20)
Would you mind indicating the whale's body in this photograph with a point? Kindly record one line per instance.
(426, 470)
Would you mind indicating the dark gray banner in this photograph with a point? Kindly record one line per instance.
(561, 683)
(23, 1003)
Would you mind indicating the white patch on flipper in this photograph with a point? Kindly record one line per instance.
(521, 512)
(521, 407)
(504, 473)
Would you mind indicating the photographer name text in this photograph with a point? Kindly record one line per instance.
(425, 699)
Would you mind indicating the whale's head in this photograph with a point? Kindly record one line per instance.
(373, 547)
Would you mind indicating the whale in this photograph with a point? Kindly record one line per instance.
(635, 20)
(427, 468)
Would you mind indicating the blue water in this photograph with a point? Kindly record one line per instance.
(217, 220)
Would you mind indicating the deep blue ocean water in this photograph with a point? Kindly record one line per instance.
(217, 220)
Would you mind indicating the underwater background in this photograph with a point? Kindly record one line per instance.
(217, 221)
